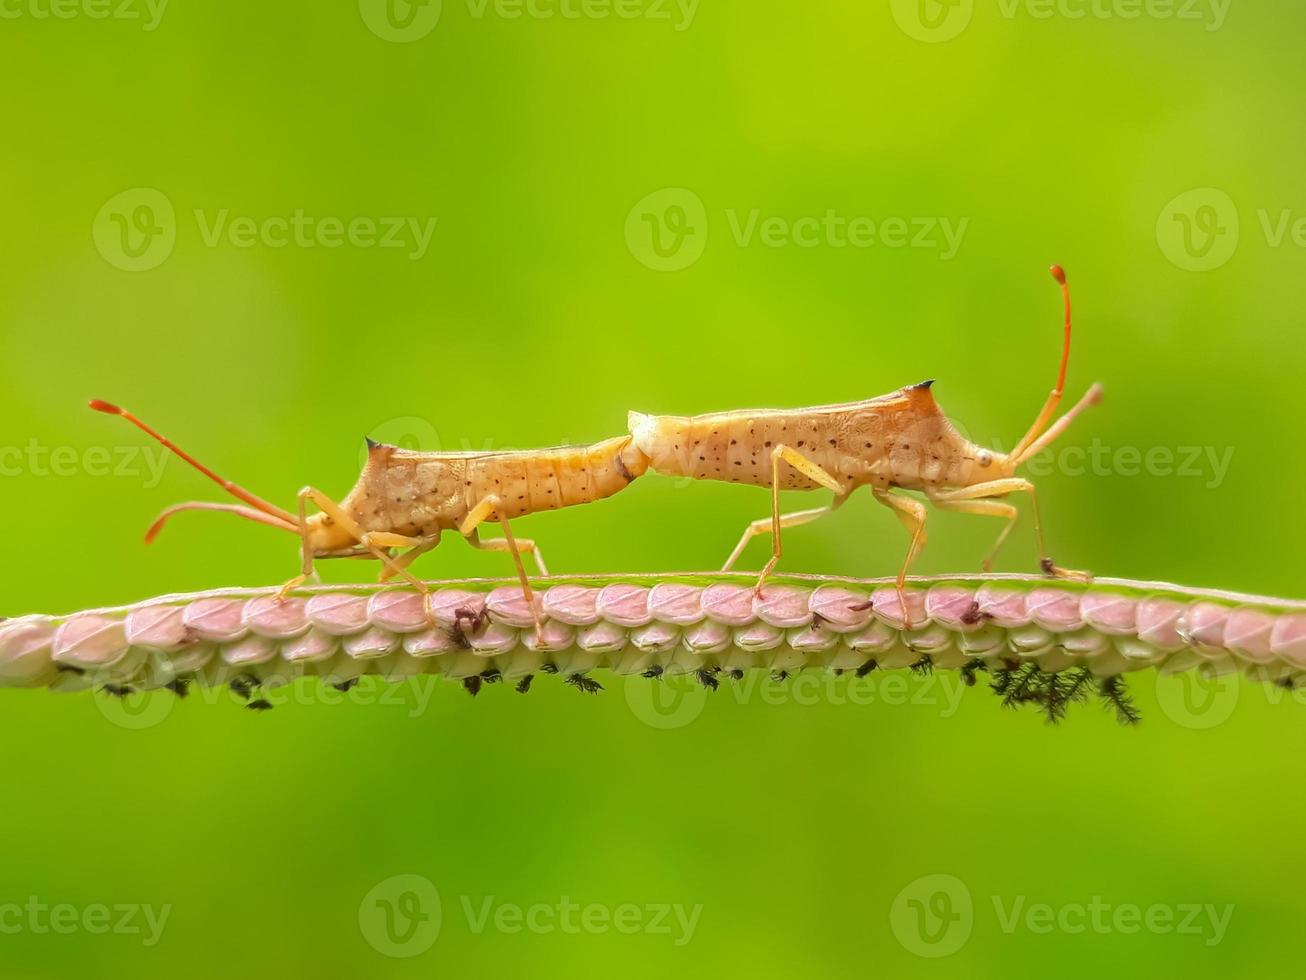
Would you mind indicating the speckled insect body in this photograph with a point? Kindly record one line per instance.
(898, 442)
(404, 500)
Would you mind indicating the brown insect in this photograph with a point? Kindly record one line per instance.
(404, 500)
(901, 441)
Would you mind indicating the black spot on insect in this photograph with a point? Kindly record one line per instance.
(549, 668)
(259, 705)
(119, 691)
(524, 684)
(973, 615)
(179, 686)
(348, 685)
(707, 677)
(653, 673)
(472, 685)
(586, 685)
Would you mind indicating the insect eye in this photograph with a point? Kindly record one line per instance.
(984, 458)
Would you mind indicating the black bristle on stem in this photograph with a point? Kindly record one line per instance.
(970, 668)
(1115, 695)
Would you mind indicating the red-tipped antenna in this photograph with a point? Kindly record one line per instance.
(235, 489)
(1054, 399)
(1059, 274)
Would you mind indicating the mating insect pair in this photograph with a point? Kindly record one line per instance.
(404, 500)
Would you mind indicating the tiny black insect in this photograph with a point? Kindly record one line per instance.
(259, 705)
(587, 685)
(653, 673)
(524, 684)
(707, 677)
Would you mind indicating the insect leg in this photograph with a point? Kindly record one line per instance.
(411, 555)
(808, 469)
(984, 508)
(373, 541)
(1000, 488)
(501, 544)
(763, 526)
(482, 512)
(911, 513)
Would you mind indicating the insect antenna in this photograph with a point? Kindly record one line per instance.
(285, 518)
(1031, 443)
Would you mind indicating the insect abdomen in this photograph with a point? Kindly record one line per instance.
(735, 448)
(531, 482)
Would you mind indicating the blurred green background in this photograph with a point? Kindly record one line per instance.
(1157, 157)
